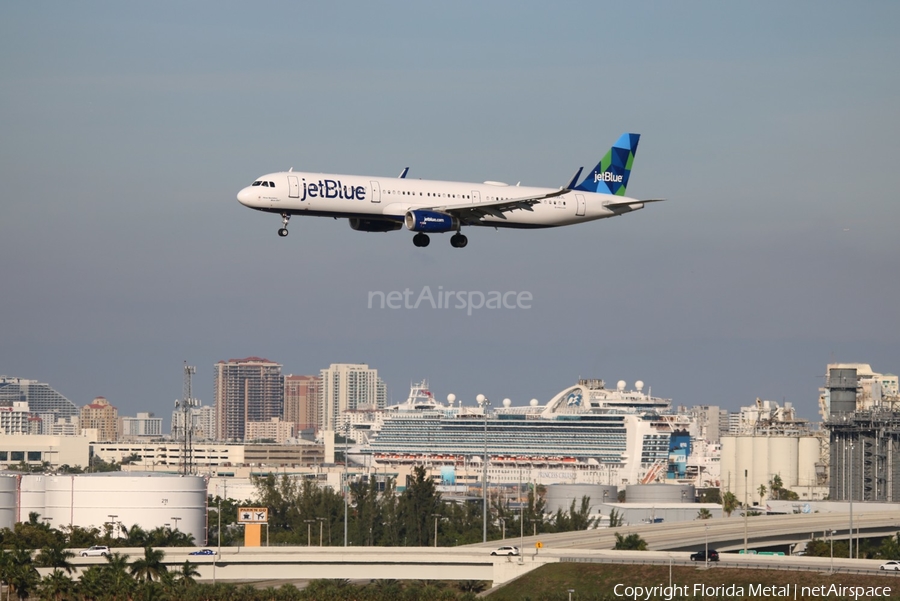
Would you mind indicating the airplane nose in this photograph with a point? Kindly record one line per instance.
(246, 196)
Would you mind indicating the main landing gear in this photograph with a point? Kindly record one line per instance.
(457, 240)
(284, 220)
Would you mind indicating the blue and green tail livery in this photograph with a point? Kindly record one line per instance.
(610, 176)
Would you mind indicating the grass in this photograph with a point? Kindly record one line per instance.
(596, 581)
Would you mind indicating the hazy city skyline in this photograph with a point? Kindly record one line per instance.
(771, 129)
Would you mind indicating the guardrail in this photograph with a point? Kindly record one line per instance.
(728, 565)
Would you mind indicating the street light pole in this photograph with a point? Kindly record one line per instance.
(309, 524)
(436, 517)
(321, 523)
(343, 484)
(706, 550)
(746, 511)
(850, 479)
(832, 551)
(485, 403)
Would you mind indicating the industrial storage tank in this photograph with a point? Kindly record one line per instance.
(560, 496)
(760, 474)
(8, 487)
(31, 496)
(744, 463)
(660, 493)
(783, 453)
(149, 500)
(808, 457)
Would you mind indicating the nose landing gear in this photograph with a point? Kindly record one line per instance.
(284, 220)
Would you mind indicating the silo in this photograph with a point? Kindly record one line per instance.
(8, 487)
(783, 455)
(744, 464)
(560, 496)
(31, 496)
(807, 459)
(728, 463)
(130, 498)
(842, 390)
(760, 473)
(659, 493)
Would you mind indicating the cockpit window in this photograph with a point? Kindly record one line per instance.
(257, 183)
(266, 184)
(271, 184)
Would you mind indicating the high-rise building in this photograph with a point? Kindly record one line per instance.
(246, 390)
(203, 420)
(141, 426)
(302, 401)
(40, 397)
(274, 430)
(349, 386)
(17, 419)
(103, 417)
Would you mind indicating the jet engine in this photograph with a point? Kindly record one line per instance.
(431, 221)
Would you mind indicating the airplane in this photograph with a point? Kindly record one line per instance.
(384, 204)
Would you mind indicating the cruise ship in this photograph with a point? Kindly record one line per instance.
(587, 433)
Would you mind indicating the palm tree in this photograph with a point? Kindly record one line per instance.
(762, 493)
(56, 585)
(704, 514)
(115, 573)
(632, 542)
(187, 572)
(150, 566)
(57, 557)
(92, 584)
(729, 503)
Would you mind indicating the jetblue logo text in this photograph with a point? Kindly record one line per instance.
(606, 176)
(467, 300)
(329, 188)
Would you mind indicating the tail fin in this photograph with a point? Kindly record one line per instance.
(610, 176)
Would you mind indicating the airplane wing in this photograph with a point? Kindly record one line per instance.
(631, 201)
(472, 212)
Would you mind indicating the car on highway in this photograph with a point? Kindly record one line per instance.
(96, 551)
(701, 556)
(203, 552)
(505, 551)
(891, 566)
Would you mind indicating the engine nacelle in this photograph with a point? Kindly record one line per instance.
(374, 225)
(431, 221)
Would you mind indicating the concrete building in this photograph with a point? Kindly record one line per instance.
(349, 386)
(17, 419)
(272, 430)
(36, 449)
(103, 417)
(144, 425)
(872, 390)
(246, 390)
(302, 401)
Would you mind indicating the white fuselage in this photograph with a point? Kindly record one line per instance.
(332, 195)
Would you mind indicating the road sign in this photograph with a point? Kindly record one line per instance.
(253, 515)
(539, 545)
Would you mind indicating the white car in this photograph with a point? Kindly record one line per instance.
(891, 565)
(506, 551)
(96, 551)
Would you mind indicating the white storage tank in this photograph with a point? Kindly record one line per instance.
(660, 493)
(560, 496)
(744, 462)
(8, 487)
(31, 496)
(760, 473)
(149, 500)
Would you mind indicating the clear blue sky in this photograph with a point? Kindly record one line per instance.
(127, 129)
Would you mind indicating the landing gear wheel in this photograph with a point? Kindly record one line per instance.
(458, 241)
(421, 240)
(284, 222)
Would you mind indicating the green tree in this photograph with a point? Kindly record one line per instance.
(616, 519)
(56, 585)
(729, 503)
(417, 503)
(150, 566)
(632, 542)
(57, 557)
(762, 493)
(890, 547)
(704, 514)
